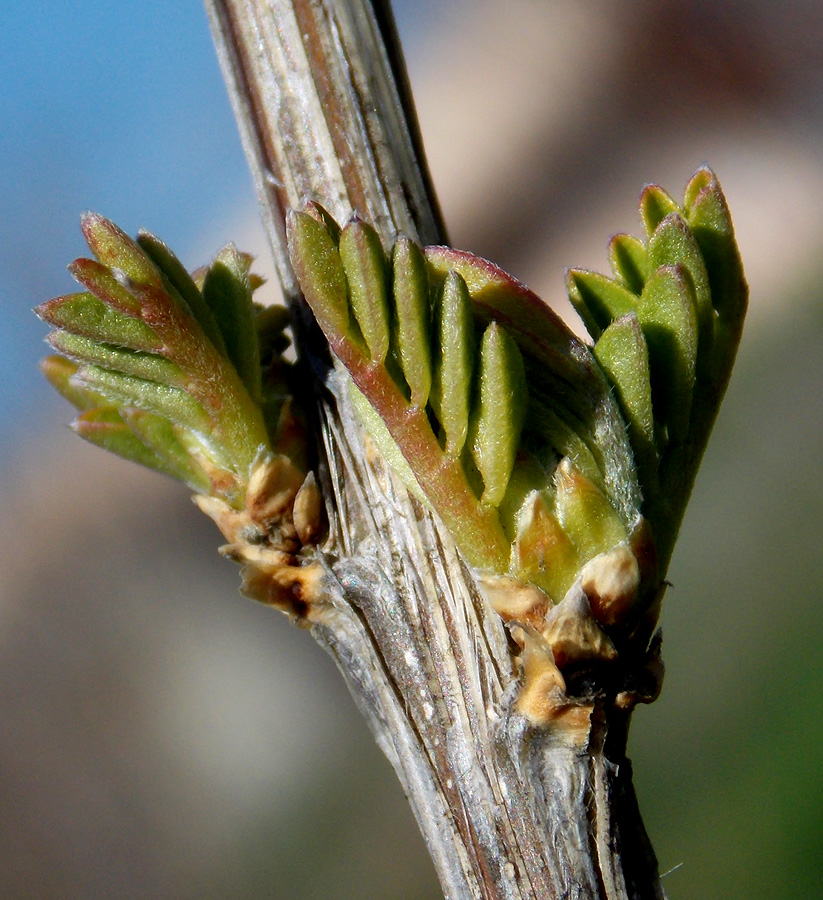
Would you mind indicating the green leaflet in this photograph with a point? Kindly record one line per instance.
(628, 261)
(668, 317)
(624, 356)
(482, 391)
(454, 358)
(101, 422)
(584, 512)
(673, 244)
(171, 403)
(104, 427)
(655, 205)
(499, 415)
(157, 381)
(227, 292)
(710, 221)
(161, 436)
(319, 269)
(148, 366)
(597, 299)
(60, 374)
(85, 314)
(179, 280)
(690, 298)
(104, 284)
(117, 251)
(413, 318)
(365, 266)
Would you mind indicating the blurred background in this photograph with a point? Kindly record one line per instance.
(160, 736)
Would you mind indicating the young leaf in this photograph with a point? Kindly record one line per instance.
(598, 300)
(655, 205)
(544, 553)
(125, 390)
(317, 265)
(85, 314)
(104, 427)
(500, 412)
(585, 513)
(627, 257)
(668, 316)
(710, 221)
(60, 374)
(116, 250)
(365, 266)
(227, 292)
(148, 366)
(104, 283)
(179, 280)
(454, 362)
(624, 357)
(413, 314)
(673, 244)
(163, 438)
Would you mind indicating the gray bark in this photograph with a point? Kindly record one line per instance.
(508, 810)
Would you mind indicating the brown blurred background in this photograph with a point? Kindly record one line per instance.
(161, 737)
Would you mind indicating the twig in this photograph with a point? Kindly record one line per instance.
(507, 810)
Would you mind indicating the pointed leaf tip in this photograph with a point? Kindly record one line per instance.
(585, 513)
(60, 372)
(627, 257)
(228, 295)
(655, 205)
(180, 281)
(702, 179)
(103, 282)
(673, 244)
(597, 299)
(114, 248)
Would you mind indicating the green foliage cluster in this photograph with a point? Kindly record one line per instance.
(165, 367)
(538, 452)
(666, 329)
(475, 391)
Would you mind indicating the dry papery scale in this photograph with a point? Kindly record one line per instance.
(480, 531)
